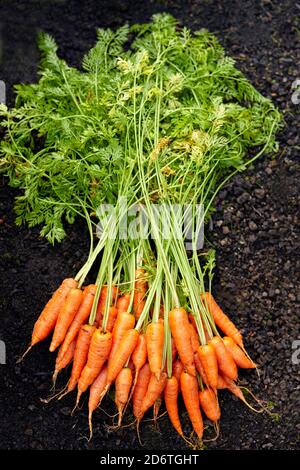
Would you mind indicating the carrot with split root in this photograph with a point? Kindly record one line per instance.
(96, 390)
(238, 355)
(179, 325)
(47, 319)
(81, 316)
(221, 319)
(65, 317)
(190, 393)
(225, 361)
(155, 345)
(123, 386)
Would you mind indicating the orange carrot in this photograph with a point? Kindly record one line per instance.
(81, 316)
(194, 338)
(156, 408)
(221, 319)
(190, 393)
(47, 319)
(221, 383)
(63, 361)
(98, 354)
(125, 321)
(200, 369)
(173, 350)
(180, 330)
(154, 390)
(139, 357)
(140, 390)
(238, 355)
(233, 388)
(177, 371)
(122, 354)
(140, 292)
(155, 345)
(209, 363)
(123, 302)
(65, 317)
(123, 385)
(209, 404)
(171, 400)
(226, 363)
(96, 390)
(80, 354)
(102, 302)
(112, 315)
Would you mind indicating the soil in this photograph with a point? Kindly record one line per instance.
(255, 231)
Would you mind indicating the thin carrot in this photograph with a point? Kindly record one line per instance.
(156, 409)
(226, 363)
(47, 319)
(123, 386)
(190, 393)
(123, 302)
(98, 354)
(180, 330)
(208, 358)
(96, 390)
(80, 317)
(221, 319)
(80, 354)
(65, 317)
(209, 403)
(112, 315)
(140, 390)
(122, 354)
(102, 302)
(139, 357)
(140, 292)
(171, 400)
(64, 360)
(125, 321)
(200, 369)
(177, 370)
(154, 390)
(194, 338)
(238, 355)
(155, 345)
(173, 350)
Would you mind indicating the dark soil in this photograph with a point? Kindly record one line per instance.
(255, 232)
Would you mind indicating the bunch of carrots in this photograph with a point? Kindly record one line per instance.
(133, 358)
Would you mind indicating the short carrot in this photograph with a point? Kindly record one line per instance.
(221, 319)
(123, 385)
(65, 317)
(155, 345)
(190, 393)
(171, 400)
(180, 330)
(238, 355)
(81, 316)
(209, 404)
(209, 363)
(226, 363)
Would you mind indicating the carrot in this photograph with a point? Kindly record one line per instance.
(221, 319)
(200, 369)
(189, 390)
(154, 390)
(180, 330)
(47, 319)
(194, 338)
(233, 388)
(96, 390)
(155, 345)
(238, 355)
(209, 363)
(226, 363)
(140, 292)
(63, 361)
(171, 400)
(173, 350)
(102, 302)
(209, 404)
(112, 315)
(140, 390)
(221, 383)
(65, 317)
(139, 357)
(81, 316)
(123, 385)
(122, 354)
(156, 408)
(80, 354)
(123, 303)
(125, 321)
(177, 370)
(98, 354)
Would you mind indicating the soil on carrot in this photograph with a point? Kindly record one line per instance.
(255, 231)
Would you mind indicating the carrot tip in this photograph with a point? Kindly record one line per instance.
(25, 354)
